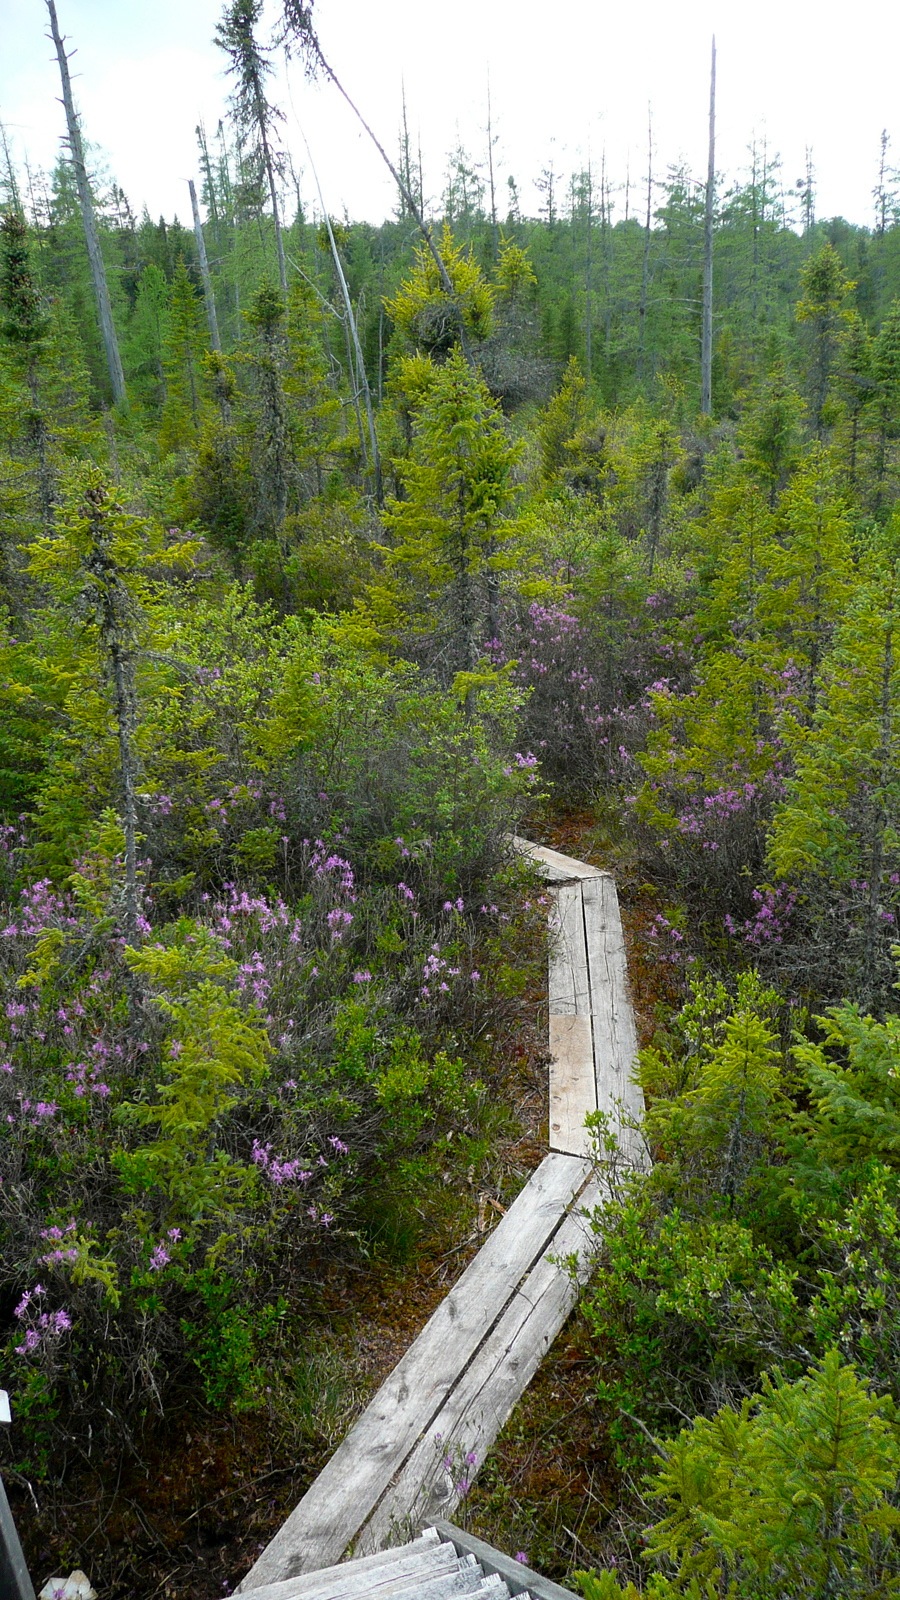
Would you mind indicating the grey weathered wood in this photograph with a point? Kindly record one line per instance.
(561, 979)
(209, 298)
(384, 1564)
(15, 1583)
(569, 989)
(348, 1488)
(573, 1083)
(457, 1580)
(89, 221)
(615, 1036)
(518, 1579)
(706, 321)
(486, 1393)
(556, 867)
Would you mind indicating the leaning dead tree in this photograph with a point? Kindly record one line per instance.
(209, 297)
(89, 221)
(298, 33)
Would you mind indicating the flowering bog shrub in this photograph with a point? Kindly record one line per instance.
(191, 1122)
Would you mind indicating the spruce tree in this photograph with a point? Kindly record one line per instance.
(448, 535)
(255, 118)
(24, 328)
(183, 350)
(822, 309)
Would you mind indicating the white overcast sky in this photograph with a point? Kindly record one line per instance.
(568, 78)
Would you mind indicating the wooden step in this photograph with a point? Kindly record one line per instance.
(426, 1555)
(438, 1572)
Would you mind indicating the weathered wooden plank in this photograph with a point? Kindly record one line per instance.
(330, 1514)
(517, 1577)
(375, 1575)
(615, 1036)
(569, 988)
(487, 1391)
(384, 1565)
(460, 1580)
(15, 1583)
(561, 979)
(465, 1372)
(573, 1083)
(556, 867)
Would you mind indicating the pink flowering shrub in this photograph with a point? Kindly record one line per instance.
(233, 1092)
(584, 667)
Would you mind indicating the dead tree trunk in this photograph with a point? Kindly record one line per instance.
(707, 334)
(645, 261)
(298, 26)
(362, 381)
(89, 221)
(208, 295)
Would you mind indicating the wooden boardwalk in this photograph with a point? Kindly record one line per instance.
(593, 1043)
(404, 1461)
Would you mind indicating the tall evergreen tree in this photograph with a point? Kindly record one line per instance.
(255, 117)
(182, 357)
(24, 328)
(822, 308)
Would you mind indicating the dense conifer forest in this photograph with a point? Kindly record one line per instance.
(378, 545)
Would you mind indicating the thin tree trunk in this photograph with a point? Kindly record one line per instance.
(707, 334)
(362, 381)
(273, 196)
(12, 187)
(645, 262)
(381, 326)
(206, 164)
(406, 163)
(117, 642)
(89, 221)
(588, 279)
(495, 231)
(606, 244)
(208, 295)
(415, 210)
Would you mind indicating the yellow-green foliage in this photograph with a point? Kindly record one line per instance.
(430, 318)
(216, 1049)
(789, 1494)
(514, 276)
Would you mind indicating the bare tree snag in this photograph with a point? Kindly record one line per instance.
(89, 221)
(707, 330)
(208, 295)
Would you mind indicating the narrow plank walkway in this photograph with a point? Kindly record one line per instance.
(593, 1043)
(400, 1465)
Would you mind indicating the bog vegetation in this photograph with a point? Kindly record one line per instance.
(395, 545)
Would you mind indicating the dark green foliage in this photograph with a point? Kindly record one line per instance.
(24, 321)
